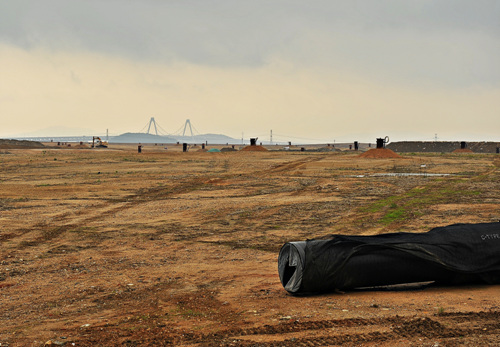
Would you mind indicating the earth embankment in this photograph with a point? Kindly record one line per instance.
(19, 144)
(442, 146)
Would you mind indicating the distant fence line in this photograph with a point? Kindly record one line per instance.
(401, 146)
(442, 146)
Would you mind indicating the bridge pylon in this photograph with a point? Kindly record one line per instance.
(188, 122)
(152, 122)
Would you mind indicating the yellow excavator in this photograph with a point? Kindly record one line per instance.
(98, 143)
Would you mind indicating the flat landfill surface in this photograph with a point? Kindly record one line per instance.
(113, 247)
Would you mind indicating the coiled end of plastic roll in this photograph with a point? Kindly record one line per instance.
(291, 262)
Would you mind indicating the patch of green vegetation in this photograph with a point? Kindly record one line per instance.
(393, 215)
(486, 177)
(381, 204)
(398, 208)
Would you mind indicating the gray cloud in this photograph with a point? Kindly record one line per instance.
(452, 42)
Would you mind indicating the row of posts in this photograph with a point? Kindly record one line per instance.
(184, 147)
(253, 142)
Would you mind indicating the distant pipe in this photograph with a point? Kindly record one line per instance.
(380, 143)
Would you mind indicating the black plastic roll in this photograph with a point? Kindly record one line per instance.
(450, 255)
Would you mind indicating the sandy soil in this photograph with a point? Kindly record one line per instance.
(112, 247)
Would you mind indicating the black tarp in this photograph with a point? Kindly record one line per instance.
(454, 254)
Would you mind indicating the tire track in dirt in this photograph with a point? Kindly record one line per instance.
(289, 166)
(65, 221)
(394, 328)
(386, 331)
(109, 207)
(160, 193)
(285, 333)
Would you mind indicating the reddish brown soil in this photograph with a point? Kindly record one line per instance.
(379, 153)
(108, 247)
(462, 150)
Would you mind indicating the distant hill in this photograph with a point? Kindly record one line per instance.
(210, 138)
(141, 138)
(149, 138)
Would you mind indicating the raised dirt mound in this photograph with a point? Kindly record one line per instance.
(462, 150)
(379, 153)
(81, 146)
(254, 149)
(16, 144)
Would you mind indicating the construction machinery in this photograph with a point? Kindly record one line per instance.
(98, 143)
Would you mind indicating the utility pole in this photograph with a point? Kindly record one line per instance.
(271, 137)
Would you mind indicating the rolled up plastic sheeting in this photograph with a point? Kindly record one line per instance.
(450, 255)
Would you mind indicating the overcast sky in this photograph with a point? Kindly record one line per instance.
(319, 70)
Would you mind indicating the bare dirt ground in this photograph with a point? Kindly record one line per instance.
(112, 247)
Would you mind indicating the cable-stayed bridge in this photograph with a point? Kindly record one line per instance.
(153, 128)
